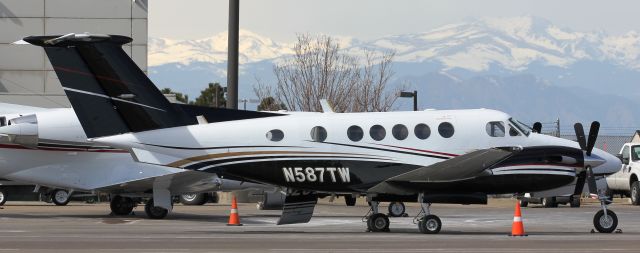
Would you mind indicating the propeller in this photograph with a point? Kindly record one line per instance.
(587, 146)
(537, 127)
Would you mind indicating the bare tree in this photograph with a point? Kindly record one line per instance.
(320, 70)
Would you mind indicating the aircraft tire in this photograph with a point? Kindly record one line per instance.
(378, 222)
(605, 225)
(524, 203)
(121, 205)
(349, 200)
(430, 224)
(575, 202)
(60, 197)
(635, 193)
(193, 199)
(155, 212)
(3, 197)
(397, 209)
(549, 202)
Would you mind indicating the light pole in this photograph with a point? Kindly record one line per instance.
(232, 54)
(408, 94)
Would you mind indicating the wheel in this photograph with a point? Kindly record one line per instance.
(549, 202)
(3, 197)
(430, 224)
(605, 225)
(60, 197)
(121, 205)
(635, 193)
(575, 201)
(349, 200)
(193, 199)
(524, 203)
(378, 222)
(396, 209)
(155, 212)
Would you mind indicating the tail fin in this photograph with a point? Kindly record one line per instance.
(108, 91)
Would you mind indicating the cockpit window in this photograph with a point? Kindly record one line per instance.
(513, 131)
(521, 127)
(495, 129)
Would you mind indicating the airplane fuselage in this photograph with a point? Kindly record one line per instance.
(351, 152)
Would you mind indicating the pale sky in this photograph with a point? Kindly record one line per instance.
(370, 19)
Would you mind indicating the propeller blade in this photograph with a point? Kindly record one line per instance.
(593, 135)
(537, 127)
(591, 181)
(582, 177)
(580, 136)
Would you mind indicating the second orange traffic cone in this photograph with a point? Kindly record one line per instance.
(234, 218)
(517, 229)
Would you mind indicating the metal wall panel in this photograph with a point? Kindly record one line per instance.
(21, 81)
(14, 29)
(21, 57)
(88, 9)
(99, 26)
(139, 29)
(22, 8)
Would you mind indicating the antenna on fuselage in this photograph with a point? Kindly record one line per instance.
(326, 106)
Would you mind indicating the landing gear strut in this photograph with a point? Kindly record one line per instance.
(605, 220)
(155, 212)
(427, 222)
(377, 222)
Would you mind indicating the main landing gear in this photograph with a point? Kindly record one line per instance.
(377, 222)
(427, 222)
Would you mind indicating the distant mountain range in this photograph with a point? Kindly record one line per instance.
(525, 66)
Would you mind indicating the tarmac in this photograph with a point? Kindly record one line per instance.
(79, 227)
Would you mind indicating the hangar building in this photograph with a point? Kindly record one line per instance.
(26, 76)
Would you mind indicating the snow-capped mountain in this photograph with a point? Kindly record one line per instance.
(454, 60)
(510, 43)
(253, 48)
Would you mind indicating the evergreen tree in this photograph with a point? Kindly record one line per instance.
(208, 96)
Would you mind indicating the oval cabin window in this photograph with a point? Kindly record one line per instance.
(446, 130)
(377, 132)
(355, 133)
(275, 135)
(318, 134)
(400, 132)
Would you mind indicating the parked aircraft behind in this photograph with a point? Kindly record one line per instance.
(434, 156)
(47, 147)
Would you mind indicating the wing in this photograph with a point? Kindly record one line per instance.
(459, 169)
(180, 182)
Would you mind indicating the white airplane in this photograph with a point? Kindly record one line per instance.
(47, 147)
(448, 156)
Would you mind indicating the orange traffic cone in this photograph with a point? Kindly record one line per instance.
(234, 218)
(517, 229)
